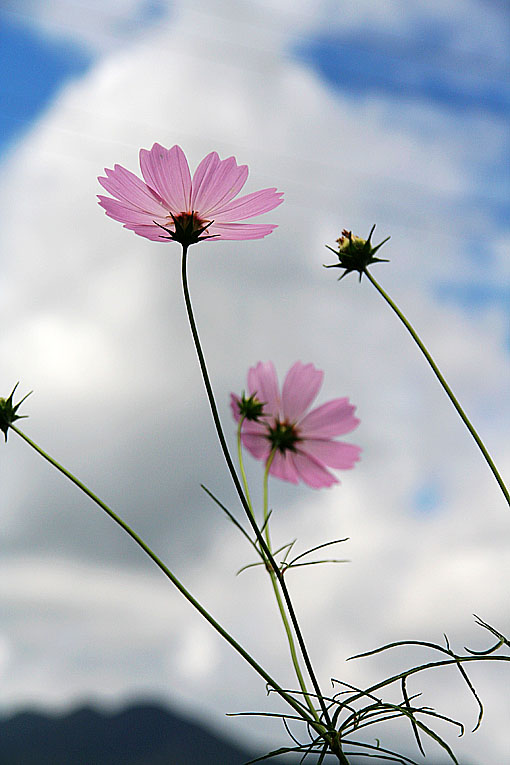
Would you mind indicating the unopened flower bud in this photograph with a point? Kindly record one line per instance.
(355, 253)
(250, 408)
(8, 411)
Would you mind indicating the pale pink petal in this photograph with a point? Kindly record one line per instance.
(301, 385)
(167, 172)
(240, 231)
(257, 444)
(331, 419)
(168, 189)
(127, 187)
(263, 382)
(149, 232)
(126, 213)
(282, 467)
(215, 183)
(234, 405)
(312, 471)
(335, 454)
(248, 206)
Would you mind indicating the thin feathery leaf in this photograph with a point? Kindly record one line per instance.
(318, 547)
(289, 548)
(411, 716)
(314, 563)
(274, 753)
(229, 515)
(381, 752)
(276, 715)
(437, 738)
(250, 565)
(322, 754)
(291, 735)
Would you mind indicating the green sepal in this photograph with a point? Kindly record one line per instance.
(250, 408)
(188, 229)
(355, 253)
(8, 411)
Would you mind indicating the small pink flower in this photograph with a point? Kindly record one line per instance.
(189, 210)
(302, 440)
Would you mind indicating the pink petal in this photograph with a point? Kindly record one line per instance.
(246, 207)
(257, 444)
(215, 183)
(263, 382)
(149, 232)
(127, 187)
(283, 467)
(335, 454)
(167, 172)
(240, 231)
(312, 471)
(234, 405)
(126, 213)
(301, 385)
(331, 419)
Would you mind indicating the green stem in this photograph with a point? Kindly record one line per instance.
(300, 708)
(241, 466)
(269, 568)
(238, 487)
(281, 608)
(444, 384)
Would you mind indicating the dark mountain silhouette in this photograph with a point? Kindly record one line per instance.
(143, 734)
(138, 735)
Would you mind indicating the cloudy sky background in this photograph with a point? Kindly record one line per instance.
(392, 113)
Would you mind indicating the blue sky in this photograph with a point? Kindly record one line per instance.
(425, 68)
(421, 66)
(33, 68)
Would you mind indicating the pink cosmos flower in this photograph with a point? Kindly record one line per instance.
(302, 440)
(188, 209)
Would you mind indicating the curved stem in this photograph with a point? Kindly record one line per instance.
(159, 563)
(444, 384)
(269, 568)
(241, 466)
(274, 582)
(238, 487)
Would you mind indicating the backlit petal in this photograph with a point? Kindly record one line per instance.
(127, 187)
(240, 231)
(215, 183)
(263, 382)
(335, 454)
(331, 419)
(283, 467)
(311, 471)
(167, 172)
(301, 386)
(248, 206)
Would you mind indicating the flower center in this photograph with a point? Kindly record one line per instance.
(283, 436)
(186, 220)
(189, 228)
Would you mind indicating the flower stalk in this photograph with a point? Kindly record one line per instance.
(294, 703)
(269, 568)
(460, 411)
(240, 492)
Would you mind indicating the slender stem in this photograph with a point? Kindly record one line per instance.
(444, 384)
(300, 708)
(269, 568)
(238, 487)
(241, 466)
(281, 608)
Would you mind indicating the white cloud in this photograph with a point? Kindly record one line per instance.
(93, 320)
(100, 27)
